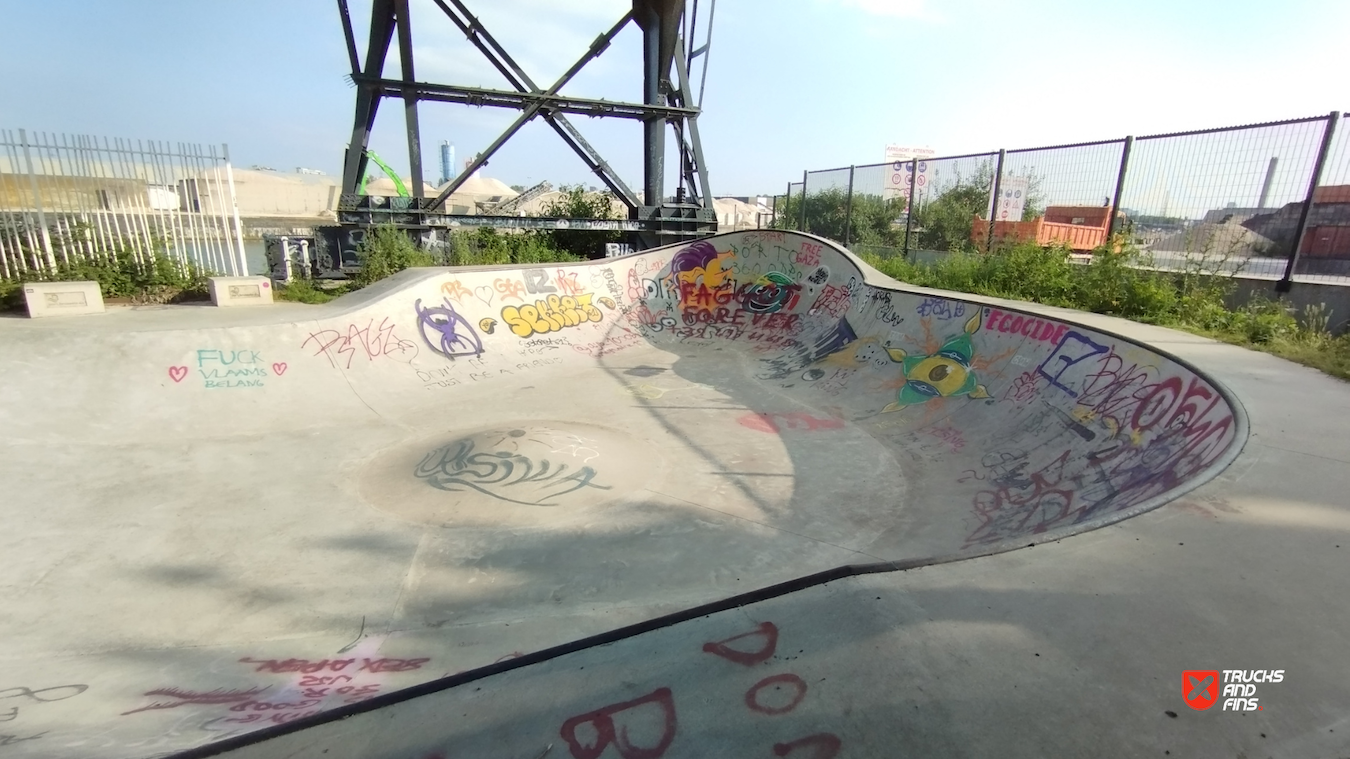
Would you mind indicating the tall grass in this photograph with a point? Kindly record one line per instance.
(1115, 281)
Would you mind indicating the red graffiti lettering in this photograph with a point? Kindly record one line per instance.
(809, 255)
(765, 637)
(509, 288)
(788, 690)
(795, 420)
(567, 282)
(818, 746)
(197, 698)
(833, 301)
(392, 665)
(645, 716)
(298, 665)
(370, 342)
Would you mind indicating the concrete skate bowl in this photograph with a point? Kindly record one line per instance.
(243, 530)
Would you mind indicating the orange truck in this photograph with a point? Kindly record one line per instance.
(1082, 228)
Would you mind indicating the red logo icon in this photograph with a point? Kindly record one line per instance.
(1200, 688)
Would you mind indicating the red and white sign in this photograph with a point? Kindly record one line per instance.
(900, 164)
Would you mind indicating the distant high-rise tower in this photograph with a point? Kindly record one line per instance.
(447, 160)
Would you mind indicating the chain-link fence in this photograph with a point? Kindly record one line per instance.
(1264, 200)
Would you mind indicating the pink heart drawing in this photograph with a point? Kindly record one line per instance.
(279, 368)
(177, 373)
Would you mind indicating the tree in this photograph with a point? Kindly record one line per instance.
(944, 222)
(574, 202)
(871, 219)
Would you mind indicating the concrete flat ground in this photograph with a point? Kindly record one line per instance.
(228, 525)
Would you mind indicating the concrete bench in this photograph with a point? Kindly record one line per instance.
(240, 291)
(62, 298)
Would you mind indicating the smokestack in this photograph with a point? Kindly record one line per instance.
(447, 161)
(1270, 179)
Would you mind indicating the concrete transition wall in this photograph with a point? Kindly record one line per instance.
(919, 426)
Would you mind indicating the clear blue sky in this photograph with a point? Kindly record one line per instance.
(793, 83)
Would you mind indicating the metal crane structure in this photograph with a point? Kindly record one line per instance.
(654, 218)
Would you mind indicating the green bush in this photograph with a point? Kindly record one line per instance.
(387, 250)
(488, 247)
(154, 278)
(304, 291)
(577, 203)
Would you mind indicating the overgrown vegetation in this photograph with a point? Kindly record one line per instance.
(387, 250)
(575, 202)
(1118, 283)
(488, 247)
(150, 277)
(942, 221)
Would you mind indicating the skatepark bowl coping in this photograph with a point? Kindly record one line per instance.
(265, 519)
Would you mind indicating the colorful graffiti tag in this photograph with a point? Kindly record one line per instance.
(551, 314)
(944, 374)
(445, 331)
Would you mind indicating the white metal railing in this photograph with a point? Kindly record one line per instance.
(67, 199)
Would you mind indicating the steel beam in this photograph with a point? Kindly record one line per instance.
(485, 43)
(653, 94)
(533, 108)
(481, 96)
(346, 17)
(695, 144)
(368, 96)
(405, 54)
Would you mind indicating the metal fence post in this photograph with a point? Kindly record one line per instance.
(234, 211)
(848, 208)
(37, 203)
(801, 226)
(993, 208)
(909, 203)
(1286, 282)
(783, 216)
(1120, 187)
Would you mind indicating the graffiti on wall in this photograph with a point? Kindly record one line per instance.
(445, 331)
(1109, 434)
(369, 341)
(226, 369)
(551, 314)
(945, 373)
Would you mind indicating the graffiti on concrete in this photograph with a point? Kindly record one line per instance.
(551, 314)
(788, 420)
(1130, 434)
(446, 332)
(506, 475)
(369, 341)
(18, 701)
(229, 369)
(945, 373)
(645, 728)
(292, 689)
(747, 649)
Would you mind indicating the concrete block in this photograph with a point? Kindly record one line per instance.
(62, 298)
(241, 291)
